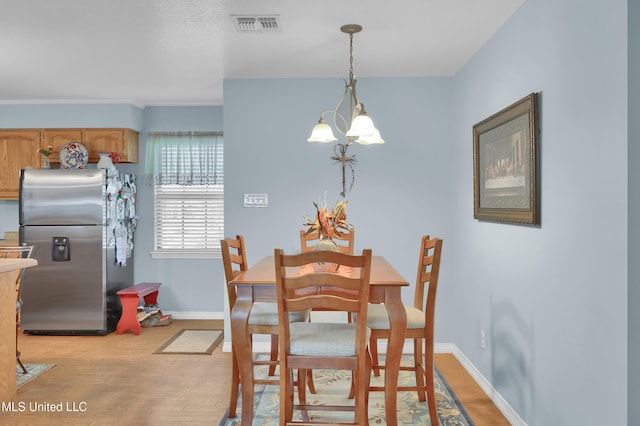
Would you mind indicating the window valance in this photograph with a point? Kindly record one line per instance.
(184, 158)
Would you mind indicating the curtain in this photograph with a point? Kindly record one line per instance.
(184, 158)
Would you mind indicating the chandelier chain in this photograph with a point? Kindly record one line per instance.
(351, 57)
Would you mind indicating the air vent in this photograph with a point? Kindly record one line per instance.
(257, 24)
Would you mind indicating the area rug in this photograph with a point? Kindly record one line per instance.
(333, 388)
(33, 371)
(192, 342)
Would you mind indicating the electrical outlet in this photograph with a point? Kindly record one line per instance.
(483, 339)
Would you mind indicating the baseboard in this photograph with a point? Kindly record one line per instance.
(190, 315)
(484, 384)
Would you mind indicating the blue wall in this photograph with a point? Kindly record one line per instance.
(192, 286)
(266, 152)
(634, 211)
(402, 189)
(553, 299)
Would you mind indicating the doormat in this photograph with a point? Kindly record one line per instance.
(192, 342)
(33, 371)
(333, 386)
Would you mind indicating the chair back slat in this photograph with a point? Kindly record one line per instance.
(8, 252)
(321, 303)
(427, 277)
(234, 260)
(17, 252)
(318, 256)
(318, 280)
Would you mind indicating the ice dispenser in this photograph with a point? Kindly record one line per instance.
(61, 251)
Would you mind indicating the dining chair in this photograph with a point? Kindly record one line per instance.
(263, 318)
(316, 345)
(344, 240)
(420, 325)
(23, 252)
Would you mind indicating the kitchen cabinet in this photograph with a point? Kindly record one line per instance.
(57, 138)
(122, 141)
(18, 150)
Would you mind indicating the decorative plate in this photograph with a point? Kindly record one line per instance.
(73, 155)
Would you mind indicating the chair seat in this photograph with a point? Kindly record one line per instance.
(323, 339)
(265, 313)
(378, 318)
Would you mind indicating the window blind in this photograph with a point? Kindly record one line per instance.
(186, 172)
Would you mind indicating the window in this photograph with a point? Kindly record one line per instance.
(186, 171)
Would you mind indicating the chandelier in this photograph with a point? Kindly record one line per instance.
(349, 118)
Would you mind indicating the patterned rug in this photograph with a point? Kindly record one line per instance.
(192, 342)
(333, 388)
(33, 371)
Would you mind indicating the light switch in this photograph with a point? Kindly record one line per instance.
(256, 200)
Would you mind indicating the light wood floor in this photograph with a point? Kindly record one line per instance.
(123, 383)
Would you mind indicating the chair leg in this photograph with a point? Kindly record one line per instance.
(24, 370)
(235, 385)
(352, 389)
(431, 397)
(373, 347)
(419, 369)
(431, 391)
(310, 383)
(286, 396)
(362, 391)
(368, 380)
(274, 354)
(302, 393)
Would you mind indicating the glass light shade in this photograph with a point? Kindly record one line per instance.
(375, 138)
(322, 133)
(362, 125)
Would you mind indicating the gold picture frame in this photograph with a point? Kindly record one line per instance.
(505, 165)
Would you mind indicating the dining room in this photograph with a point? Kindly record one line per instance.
(495, 277)
(528, 309)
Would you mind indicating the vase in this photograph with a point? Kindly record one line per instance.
(105, 161)
(46, 164)
(325, 243)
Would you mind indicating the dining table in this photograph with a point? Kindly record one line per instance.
(258, 284)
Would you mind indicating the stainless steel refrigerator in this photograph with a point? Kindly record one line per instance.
(80, 222)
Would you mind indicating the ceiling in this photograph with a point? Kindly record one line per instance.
(177, 52)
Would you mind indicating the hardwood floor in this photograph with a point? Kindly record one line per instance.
(117, 380)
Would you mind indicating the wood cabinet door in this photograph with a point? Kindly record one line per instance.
(57, 138)
(122, 141)
(18, 150)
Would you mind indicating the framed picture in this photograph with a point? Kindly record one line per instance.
(505, 171)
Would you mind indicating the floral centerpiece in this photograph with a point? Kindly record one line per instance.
(46, 152)
(329, 222)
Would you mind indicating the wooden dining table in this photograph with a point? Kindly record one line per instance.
(257, 284)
